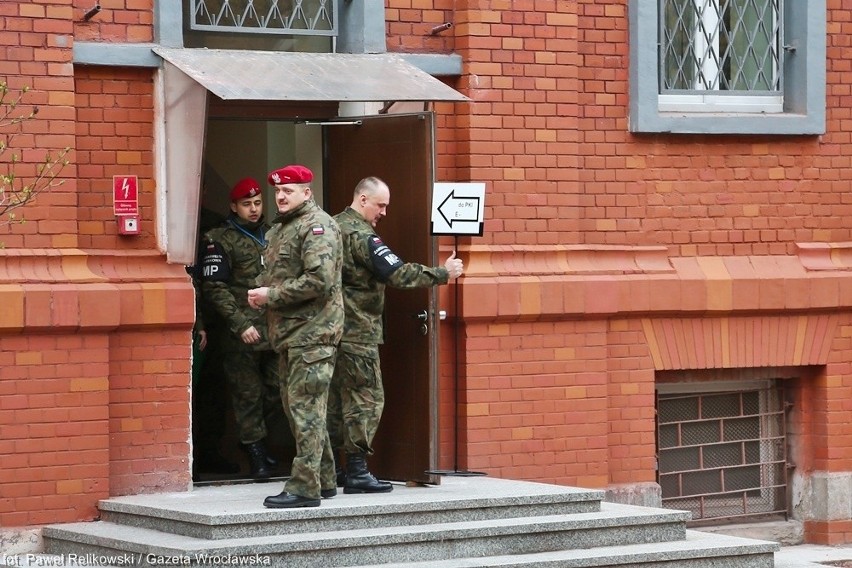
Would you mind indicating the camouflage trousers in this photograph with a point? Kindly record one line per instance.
(356, 398)
(306, 374)
(254, 385)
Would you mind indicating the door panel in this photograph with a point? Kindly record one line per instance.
(398, 149)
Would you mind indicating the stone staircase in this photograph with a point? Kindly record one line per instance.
(463, 522)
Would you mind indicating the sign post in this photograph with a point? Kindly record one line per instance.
(457, 209)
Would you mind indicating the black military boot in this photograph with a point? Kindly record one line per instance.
(259, 461)
(359, 479)
(285, 500)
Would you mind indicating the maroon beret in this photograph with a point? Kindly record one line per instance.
(290, 174)
(247, 187)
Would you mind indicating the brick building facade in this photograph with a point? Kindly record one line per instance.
(627, 263)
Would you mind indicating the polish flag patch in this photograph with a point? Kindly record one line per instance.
(318, 230)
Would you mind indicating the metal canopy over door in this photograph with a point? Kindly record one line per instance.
(246, 75)
(308, 82)
(399, 150)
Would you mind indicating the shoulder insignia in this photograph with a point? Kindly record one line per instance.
(317, 230)
(385, 261)
(214, 263)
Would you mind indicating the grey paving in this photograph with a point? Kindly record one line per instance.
(811, 555)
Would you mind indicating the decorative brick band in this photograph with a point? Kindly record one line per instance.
(503, 283)
(825, 256)
(95, 290)
(44, 266)
(543, 260)
(733, 342)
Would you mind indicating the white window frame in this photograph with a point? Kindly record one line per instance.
(799, 109)
(720, 103)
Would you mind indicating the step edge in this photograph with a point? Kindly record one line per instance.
(367, 509)
(579, 521)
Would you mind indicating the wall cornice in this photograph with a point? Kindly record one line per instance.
(61, 289)
(570, 282)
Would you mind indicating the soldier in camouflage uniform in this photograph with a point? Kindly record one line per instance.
(231, 260)
(302, 291)
(356, 398)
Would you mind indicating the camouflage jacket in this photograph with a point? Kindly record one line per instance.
(369, 265)
(231, 260)
(302, 271)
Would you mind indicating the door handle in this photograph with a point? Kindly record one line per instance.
(423, 317)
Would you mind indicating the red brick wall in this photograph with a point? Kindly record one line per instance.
(35, 53)
(822, 406)
(410, 23)
(631, 440)
(54, 415)
(115, 136)
(128, 21)
(820, 427)
(94, 380)
(94, 345)
(149, 411)
(568, 402)
(534, 401)
(547, 130)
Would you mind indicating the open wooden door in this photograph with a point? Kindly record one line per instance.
(398, 149)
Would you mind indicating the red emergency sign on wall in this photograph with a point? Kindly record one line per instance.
(125, 195)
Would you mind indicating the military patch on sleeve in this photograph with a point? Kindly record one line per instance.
(215, 266)
(385, 261)
(317, 230)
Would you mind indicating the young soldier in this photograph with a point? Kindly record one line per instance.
(356, 398)
(301, 289)
(232, 260)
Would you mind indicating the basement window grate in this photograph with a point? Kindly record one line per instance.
(722, 455)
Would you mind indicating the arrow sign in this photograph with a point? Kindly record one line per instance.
(458, 208)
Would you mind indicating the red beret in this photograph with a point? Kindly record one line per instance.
(247, 187)
(290, 174)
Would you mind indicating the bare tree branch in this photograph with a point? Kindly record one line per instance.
(17, 191)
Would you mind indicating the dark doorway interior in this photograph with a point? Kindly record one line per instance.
(237, 147)
(396, 148)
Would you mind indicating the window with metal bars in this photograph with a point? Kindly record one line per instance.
(722, 455)
(289, 17)
(266, 25)
(721, 45)
(721, 55)
(727, 66)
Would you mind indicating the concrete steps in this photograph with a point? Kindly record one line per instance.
(463, 522)
(696, 550)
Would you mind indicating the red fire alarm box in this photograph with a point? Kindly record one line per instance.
(128, 225)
